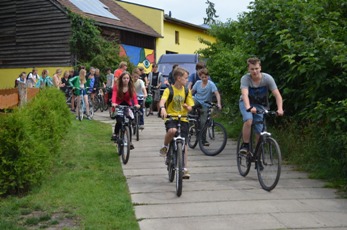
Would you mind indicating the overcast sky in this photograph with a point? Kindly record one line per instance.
(193, 11)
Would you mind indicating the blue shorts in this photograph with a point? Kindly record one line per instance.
(250, 116)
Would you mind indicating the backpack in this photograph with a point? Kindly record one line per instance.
(169, 100)
(28, 75)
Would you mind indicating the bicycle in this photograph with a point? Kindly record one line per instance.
(212, 137)
(124, 137)
(81, 109)
(136, 122)
(175, 157)
(99, 102)
(266, 155)
(149, 102)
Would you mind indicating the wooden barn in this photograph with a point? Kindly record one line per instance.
(36, 33)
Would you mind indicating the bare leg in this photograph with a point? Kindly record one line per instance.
(169, 135)
(246, 130)
(86, 103)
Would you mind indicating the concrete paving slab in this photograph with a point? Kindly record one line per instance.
(217, 197)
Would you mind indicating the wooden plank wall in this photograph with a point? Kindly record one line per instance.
(34, 33)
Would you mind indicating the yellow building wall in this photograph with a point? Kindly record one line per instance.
(151, 16)
(9, 75)
(188, 40)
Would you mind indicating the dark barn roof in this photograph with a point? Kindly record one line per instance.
(37, 32)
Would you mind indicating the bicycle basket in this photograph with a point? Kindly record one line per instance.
(148, 101)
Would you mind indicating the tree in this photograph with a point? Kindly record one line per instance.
(211, 13)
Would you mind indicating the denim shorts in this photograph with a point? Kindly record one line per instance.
(251, 116)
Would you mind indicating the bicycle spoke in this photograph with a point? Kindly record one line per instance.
(212, 139)
(269, 164)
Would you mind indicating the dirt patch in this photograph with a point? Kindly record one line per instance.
(52, 221)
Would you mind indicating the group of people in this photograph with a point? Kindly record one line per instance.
(131, 90)
(254, 87)
(34, 80)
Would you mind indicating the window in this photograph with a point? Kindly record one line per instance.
(177, 37)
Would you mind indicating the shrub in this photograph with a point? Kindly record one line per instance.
(29, 139)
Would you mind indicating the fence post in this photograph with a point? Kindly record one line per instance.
(22, 93)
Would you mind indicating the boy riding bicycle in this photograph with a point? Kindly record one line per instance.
(180, 104)
(254, 92)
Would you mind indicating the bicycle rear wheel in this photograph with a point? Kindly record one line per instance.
(179, 170)
(269, 163)
(215, 141)
(126, 145)
(192, 136)
(171, 163)
(243, 161)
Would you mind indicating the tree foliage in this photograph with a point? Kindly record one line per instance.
(90, 47)
(210, 13)
(303, 45)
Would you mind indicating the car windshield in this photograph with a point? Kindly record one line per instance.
(166, 68)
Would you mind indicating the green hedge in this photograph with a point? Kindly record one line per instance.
(29, 140)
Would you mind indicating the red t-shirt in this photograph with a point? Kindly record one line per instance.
(117, 73)
(126, 97)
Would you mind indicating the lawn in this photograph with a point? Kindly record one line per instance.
(86, 188)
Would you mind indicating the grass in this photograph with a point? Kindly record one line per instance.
(86, 188)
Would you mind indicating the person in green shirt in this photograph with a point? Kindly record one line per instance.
(78, 84)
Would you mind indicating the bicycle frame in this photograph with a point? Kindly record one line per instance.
(175, 157)
(266, 155)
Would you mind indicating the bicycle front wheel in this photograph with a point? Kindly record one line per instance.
(212, 139)
(126, 141)
(192, 136)
(91, 108)
(268, 163)
(179, 170)
(80, 106)
(171, 163)
(96, 104)
(137, 126)
(243, 160)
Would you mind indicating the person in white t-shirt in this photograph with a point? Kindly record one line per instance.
(32, 78)
(141, 93)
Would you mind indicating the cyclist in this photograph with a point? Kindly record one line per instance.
(177, 106)
(254, 93)
(78, 82)
(154, 84)
(141, 92)
(203, 90)
(123, 94)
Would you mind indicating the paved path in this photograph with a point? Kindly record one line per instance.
(217, 197)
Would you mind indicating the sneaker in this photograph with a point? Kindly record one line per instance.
(89, 118)
(244, 149)
(163, 151)
(131, 146)
(186, 174)
(76, 117)
(141, 127)
(114, 138)
(73, 110)
(205, 143)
